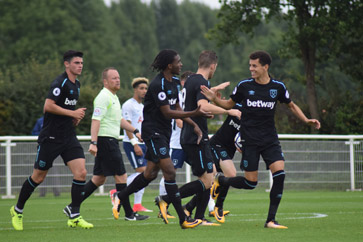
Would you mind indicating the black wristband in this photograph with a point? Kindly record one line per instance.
(136, 131)
(93, 142)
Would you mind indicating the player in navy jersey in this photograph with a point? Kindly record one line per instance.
(160, 106)
(258, 96)
(223, 150)
(199, 154)
(58, 137)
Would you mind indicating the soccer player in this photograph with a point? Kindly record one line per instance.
(258, 96)
(105, 130)
(223, 150)
(58, 137)
(135, 151)
(177, 154)
(199, 154)
(162, 105)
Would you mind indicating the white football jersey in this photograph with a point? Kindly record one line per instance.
(132, 111)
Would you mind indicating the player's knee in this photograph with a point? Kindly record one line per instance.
(80, 174)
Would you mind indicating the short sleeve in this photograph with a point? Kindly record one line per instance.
(237, 94)
(55, 91)
(127, 111)
(201, 96)
(100, 105)
(158, 95)
(284, 96)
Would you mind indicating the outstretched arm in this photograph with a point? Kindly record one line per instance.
(298, 113)
(212, 96)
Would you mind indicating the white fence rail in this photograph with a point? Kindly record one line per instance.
(333, 162)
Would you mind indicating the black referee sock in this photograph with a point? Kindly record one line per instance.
(223, 190)
(174, 197)
(237, 182)
(77, 194)
(202, 203)
(136, 185)
(119, 188)
(89, 188)
(276, 194)
(188, 190)
(26, 191)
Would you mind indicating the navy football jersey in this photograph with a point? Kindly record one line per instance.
(160, 92)
(226, 133)
(65, 94)
(258, 109)
(192, 94)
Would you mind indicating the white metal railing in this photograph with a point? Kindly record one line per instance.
(294, 146)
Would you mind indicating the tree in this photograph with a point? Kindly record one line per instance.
(316, 29)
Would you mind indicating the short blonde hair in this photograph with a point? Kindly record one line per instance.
(138, 80)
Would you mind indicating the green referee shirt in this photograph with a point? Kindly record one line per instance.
(107, 110)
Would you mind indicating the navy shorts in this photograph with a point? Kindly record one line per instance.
(199, 157)
(135, 160)
(251, 156)
(48, 151)
(178, 157)
(157, 148)
(108, 161)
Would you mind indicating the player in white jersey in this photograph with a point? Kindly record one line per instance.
(132, 111)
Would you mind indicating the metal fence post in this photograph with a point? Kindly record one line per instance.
(8, 145)
(351, 144)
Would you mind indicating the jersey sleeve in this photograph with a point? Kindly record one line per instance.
(55, 91)
(284, 96)
(200, 96)
(158, 95)
(100, 106)
(237, 94)
(127, 111)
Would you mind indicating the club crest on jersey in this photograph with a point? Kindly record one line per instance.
(163, 150)
(273, 93)
(71, 92)
(251, 92)
(161, 96)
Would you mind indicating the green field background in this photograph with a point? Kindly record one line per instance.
(310, 216)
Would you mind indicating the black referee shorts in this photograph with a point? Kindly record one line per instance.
(108, 161)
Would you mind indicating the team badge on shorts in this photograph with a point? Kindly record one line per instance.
(41, 163)
(163, 150)
(175, 162)
(210, 165)
(273, 93)
(224, 154)
(245, 163)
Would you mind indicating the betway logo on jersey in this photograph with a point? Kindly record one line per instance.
(70, 102)
(260, 104)
(172, 101)
(235, 125)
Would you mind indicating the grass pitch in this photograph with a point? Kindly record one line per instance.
(310, 216)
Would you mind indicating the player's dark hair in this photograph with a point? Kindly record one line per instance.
(163, 59)
(207, 58)
(186, 74)
(105, 72)
(68, 55)
(263, 56)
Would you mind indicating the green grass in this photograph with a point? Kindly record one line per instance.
(310, 216)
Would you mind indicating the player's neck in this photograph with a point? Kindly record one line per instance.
(203, 72)
(136, 97)
(168, 75)
(263, 80)
(71, 76)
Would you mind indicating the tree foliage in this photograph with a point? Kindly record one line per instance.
(128, 34)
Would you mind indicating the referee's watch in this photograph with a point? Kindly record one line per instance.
(136, 131)
(93, 142)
